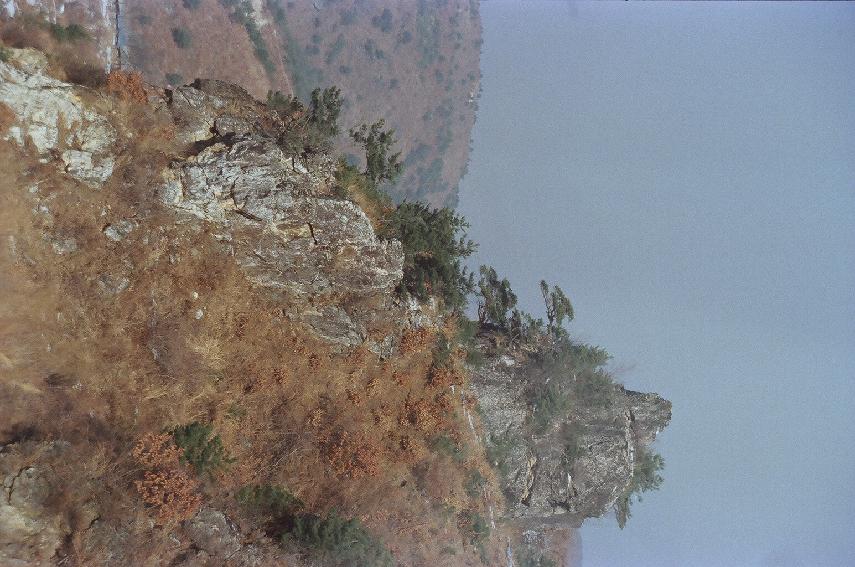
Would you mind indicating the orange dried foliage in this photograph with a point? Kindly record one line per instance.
(353, 456)
(421, 414)
(357, 357)
(166, 486)
(171, 492)
(400, 378)
(443, 377)
(416, 340)
(279, 376)
(354, 397)
(127, 85)
(301, 349)
(155, 451)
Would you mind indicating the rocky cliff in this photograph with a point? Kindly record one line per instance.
(543, 487)
(178, 266)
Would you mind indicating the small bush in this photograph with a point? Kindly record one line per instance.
(528, 558)
(497, 300)
(72, 32)
(181, 37)
(127, 85)
(339, 541)
(201, 451)
(352, 455)
(441, 351)
(191, 4)
(171, 492)
(271, 504)
(645, 477)
(593, 388)
(380, 164)
(5, 54)
(435, 245)
(84, 73)
(475, 483)
(174, 79)
(307, 129)
(444, 445)
(466, 333)
(165, 485)
(550, 401)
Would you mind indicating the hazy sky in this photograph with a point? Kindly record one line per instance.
(687, 174)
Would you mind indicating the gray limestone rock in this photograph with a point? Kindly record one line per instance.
(51, 117)
(29, 534)
(275, 213)
(542, 486)
(208, 108)
(119, 230)
(301, 241)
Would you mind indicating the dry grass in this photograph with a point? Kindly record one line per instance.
(127, 85)
(73, 61)
(7, 118)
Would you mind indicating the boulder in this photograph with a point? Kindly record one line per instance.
(51, 117)
(30, 535)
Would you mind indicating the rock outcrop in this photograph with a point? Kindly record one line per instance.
(29, 535)
(51, 117)
(307, 242)
(276, 214)
(542, 486)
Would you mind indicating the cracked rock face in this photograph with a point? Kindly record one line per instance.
(542, 487)
(274, 213)
(51, 117)
(208, 107)
(29, 534)
(284, 233)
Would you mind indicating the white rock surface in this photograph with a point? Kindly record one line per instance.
(52, 119)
